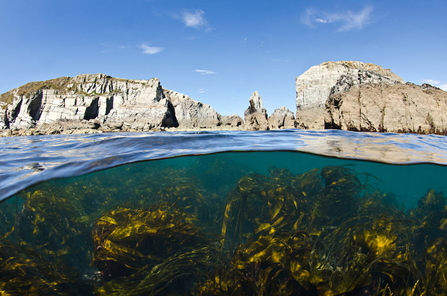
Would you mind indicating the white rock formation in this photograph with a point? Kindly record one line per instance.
(314, 86)
(190, 113)
(114, 103)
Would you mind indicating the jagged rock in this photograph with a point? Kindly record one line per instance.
(281, 118)
(256, 115)
(314, 86)
(3, 119)
(385, 107)
(113, 103)
(233, 121)
(192, 114)
(134, 104)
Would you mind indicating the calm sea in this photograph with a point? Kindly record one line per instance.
(287, 212)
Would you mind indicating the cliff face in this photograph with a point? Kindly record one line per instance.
(334, 95)
(192, 114)
(94, 100)
(281, 118)
(314, 86)
(398, 108)
(365, 97)
(99, 102)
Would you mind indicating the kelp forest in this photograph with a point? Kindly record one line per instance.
(216, 228)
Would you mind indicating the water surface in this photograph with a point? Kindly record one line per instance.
(224, 213)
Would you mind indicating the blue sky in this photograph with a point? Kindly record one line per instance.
(219, 52)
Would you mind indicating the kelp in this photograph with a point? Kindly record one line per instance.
(171, 231)
(436, 268)
(138, 251)
(25, 271)
(55, 226)
(8, 216)
(259, 204)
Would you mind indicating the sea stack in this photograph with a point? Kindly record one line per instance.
(255, 116)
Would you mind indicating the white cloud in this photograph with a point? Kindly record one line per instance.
(205, 72)
(318, 20)
(150, 49)
(347, 20)
(437, 83)
(431, 81)
(202, 90)
(194, 18)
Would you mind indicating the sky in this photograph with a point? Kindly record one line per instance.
(220, 52)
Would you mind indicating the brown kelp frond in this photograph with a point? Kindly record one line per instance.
(23, 271)
(139, 250)
(167, 231)
(262, 204)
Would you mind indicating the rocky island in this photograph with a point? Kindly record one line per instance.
(351, 96)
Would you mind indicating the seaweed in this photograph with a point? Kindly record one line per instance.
(139, 251)
(172, 231)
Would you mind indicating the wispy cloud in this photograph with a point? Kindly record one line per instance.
(204, 72)
(437, 83)
(323, 21)
(194, 19)
(431, 81)
(347, 20)
(202, 90)
(150, 49)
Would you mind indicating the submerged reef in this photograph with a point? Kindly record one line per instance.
(165, 230)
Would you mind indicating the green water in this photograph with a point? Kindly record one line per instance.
(248, 223)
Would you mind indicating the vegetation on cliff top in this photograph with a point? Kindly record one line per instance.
(32, 87)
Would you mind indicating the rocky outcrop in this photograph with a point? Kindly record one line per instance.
(100, 103)
(281, 118)
(255, 116)
(192, 114)
(334, 95)
(109, 104)
(232, 121)
(314, 86)
(364, 97)
(385, 107)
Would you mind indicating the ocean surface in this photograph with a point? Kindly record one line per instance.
(287, 212)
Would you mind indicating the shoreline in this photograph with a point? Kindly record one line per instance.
(60, 131)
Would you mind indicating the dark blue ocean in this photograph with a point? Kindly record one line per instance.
(288, 212)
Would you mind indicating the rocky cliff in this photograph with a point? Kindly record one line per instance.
(352, 96)
(93, 101)
(381, 107)
(314, 86)
(365, 97)
(192, 114)
(281, 118)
